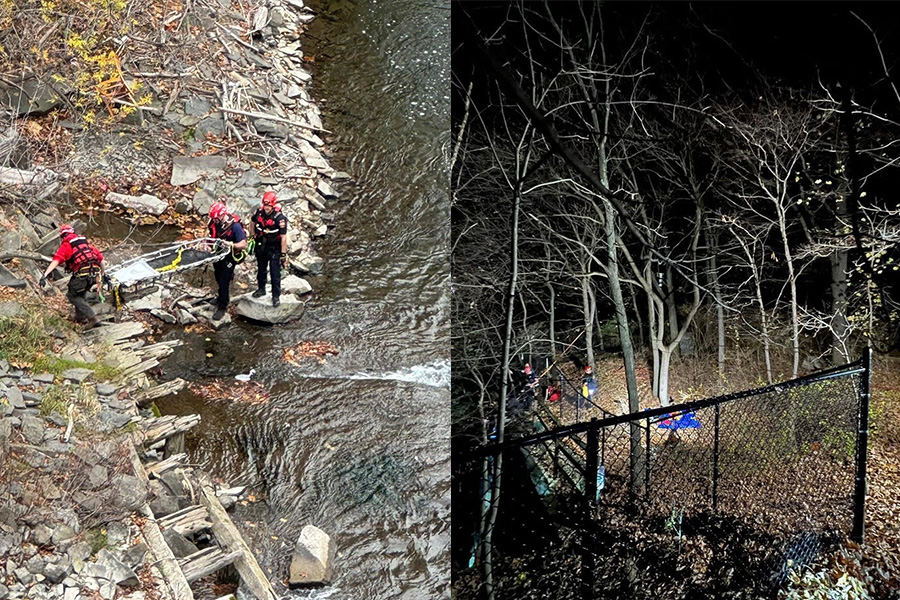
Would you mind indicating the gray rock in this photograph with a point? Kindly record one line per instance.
(31, 96)
(98, 475)
(110, 420)
(105, 389)
(212, 126)
(145, 203)
(179, 544)
(23, 575)
(41, 534)
(133, 557)
(271, 128)
(108, 591)
(117, 534)
(325, 189)
(129, 492)
(261, 309)
(121, 573)
(185, 317)
(56, 572)
(5, 430)
(189, 169)
(78, 375)
(15, 397)
(71, 593)
(188, 120)
(7, 279)
(58, 420)
(78, 554)
(62, 533)
(33, 429)
(6, 408)
(164, 503)
(163, 316)
(196, 106)
(149, 302)
(4, 592)
(35, 564)
(292, 284)
(311, 563)
(32, 399)
(45, 377)
(308, 264)
(11, 309)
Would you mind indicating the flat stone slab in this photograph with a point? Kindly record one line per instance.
(105, 389)
(77, 375)
(11, 309)
(190, 169)
(261, 309)
(295, 285)
(145, 203)
(45, 377)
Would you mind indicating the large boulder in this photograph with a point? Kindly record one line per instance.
(261, 309)
(311, 564)
(145, 203)
(292, 284)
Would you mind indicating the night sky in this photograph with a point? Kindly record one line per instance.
(740, 45)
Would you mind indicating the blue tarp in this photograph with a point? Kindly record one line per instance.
(685, 421)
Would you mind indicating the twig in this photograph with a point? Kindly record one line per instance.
(256, 115)
(238, 39)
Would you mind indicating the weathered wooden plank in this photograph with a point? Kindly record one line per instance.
(154, 470)
(164, 427)
(230, 538)
(206, 561)
(162, 556)
(145, 397)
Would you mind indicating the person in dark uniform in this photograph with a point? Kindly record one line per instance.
(225, 226)
(85, 263)
(268, 227)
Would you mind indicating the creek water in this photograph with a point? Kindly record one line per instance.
(359, 445)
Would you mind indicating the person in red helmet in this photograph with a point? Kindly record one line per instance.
(268, 226)
(85, 263)
(224, 226)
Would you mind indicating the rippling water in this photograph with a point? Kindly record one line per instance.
(359, 445)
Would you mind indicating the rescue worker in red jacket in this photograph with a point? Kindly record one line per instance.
(85, 263)
(225, 226)
(268, 226)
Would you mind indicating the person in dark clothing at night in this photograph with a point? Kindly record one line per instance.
(268, 227)
(224, 226)
(85, 263)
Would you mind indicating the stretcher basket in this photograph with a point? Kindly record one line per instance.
(183, 256)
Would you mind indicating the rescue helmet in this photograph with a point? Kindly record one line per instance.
(269, 199)
(588, 369)
(66, 229)
(217, 210)
(527, 369)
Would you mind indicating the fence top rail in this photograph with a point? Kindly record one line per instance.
(840, 371)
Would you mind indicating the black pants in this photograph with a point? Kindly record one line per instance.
(78, 287)
(266, 260)
(224, 270)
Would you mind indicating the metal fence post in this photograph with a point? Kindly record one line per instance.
(590, 462)
(588, 561)
(647, 463)
(862, 449)
(715, 490)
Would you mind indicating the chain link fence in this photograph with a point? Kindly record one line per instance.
(719, 498)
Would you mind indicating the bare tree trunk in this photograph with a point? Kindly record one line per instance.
(713, 244)
(763, 320)
(552, 320)
(671, 309)
(792, 281)
(839, 325)
(665, 356)
(654, 351)
(589, 306)
(615, 289)
(504, 387)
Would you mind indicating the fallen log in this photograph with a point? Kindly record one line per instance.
(157, 430)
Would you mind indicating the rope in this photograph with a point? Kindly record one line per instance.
(174, 264)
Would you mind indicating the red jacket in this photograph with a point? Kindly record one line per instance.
(76, 253)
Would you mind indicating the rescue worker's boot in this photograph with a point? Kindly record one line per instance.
(276, 300)
(220, 312)
(92, 322)
(259, 293)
